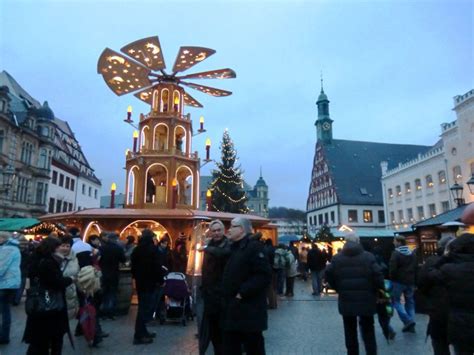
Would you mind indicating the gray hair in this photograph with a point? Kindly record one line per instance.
(352, 237)
(218, 222)
(244, 223)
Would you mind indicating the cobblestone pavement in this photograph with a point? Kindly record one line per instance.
(302, 325)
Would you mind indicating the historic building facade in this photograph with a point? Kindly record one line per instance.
(420, 188)
(345, 184)
(257, 197)
(42, 167)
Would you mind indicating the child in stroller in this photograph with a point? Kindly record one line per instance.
(177, 298)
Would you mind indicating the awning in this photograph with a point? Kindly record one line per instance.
(367, 233)
(17, 224)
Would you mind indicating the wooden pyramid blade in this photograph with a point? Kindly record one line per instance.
(190, 56)
(212, 74)
(146, 51)
(208, 90)
(145, 95)
(121, 74)
(191, 101)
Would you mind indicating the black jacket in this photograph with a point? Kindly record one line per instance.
(456, 273)
(47, 270)
(355, 275)
(111, 256)
(216, 255)
(247, 273)
(402, 268)
(146, 267)
(316, 260)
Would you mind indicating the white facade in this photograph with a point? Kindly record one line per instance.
(69, 192)
(355, 216)
(419, 189)
(287, 226)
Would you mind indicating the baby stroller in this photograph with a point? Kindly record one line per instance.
(177, 298)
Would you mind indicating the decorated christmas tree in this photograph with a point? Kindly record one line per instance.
(324, 234)
(227, 186)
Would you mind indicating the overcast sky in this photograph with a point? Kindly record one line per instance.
(391, 69)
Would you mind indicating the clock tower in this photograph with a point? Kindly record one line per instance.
(323, 123)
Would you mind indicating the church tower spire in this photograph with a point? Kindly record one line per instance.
(323, 123)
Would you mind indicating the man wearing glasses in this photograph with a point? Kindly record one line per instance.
(246, 278)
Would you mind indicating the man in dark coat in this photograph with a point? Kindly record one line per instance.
(356, 277)
(456, 272)
(112, 255)
(216, 254)
(316, 263)
(148, 273)
(245, 280)
(402, 270)
(437, 304)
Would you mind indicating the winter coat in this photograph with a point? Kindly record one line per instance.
(40, 328)
(456, 273)
(281, 259)
(10, 258)
(292, 268)
(247, 273)
(402, 266)
(111, 256)
(316, 260)
(146, 267)
(165, 257)
(70, 268)
(215, 258)
(356, 277)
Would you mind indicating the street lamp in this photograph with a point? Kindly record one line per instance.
(470, 184)
(456, 191)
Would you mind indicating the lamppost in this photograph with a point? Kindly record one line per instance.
(470, 184)
(456, 191)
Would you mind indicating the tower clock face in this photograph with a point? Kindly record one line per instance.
(326, 126)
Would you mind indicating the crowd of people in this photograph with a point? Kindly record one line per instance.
(67, 278)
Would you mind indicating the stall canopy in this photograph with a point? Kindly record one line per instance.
(366, 233)
(17, 224)
(286, 239)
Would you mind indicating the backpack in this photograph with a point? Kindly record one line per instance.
(281, 260)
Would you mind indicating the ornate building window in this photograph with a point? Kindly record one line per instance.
(429, 181)
(407, 188)
(441, 177)
(390, 193)
(398, 190)
(457, 174)
(418, 184)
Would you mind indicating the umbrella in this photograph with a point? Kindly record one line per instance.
(87, 320)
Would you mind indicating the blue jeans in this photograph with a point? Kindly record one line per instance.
(407, 312)
(109, 299)
(6, 298)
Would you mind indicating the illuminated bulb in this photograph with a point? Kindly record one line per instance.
(208, 142)
(135, 134)
(127, 151)
(208, 193)
(129, 109)
(113, 187)
(176, 100)
(201, 119)
(174, 182)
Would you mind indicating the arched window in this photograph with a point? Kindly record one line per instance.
(160, 137)
(43, 159)
(429, 181)
(164, 100)
(457, 174)
(180, 139)
(418, 184)
(398, 190)
(390, 193)
(131, 183)
(185, 177)
(407, 187)
(441, 177)
(144, 138)
(176, 100)
(154, 103)
(156, 184)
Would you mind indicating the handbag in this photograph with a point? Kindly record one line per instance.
(40, 301)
